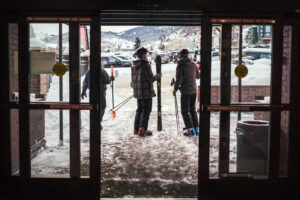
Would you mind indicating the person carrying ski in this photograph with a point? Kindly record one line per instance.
(142, 84)
(105, 79)
(186, 75)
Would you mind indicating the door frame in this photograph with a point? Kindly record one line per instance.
(75, 186)
(89, 188)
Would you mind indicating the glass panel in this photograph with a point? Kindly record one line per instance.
(13, 62)
(284, 142)
(84, 60)
(216, 63)
(44, 50)
(49, 155)
(161, 164)
(85, 143)
(286, 67)
(214, 145)
(256, 56)
(14, 133)
(249, 143)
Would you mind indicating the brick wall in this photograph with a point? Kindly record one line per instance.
(249, 93)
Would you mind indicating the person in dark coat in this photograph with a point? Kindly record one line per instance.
(142, 84)
(186, 75)
(105, 80)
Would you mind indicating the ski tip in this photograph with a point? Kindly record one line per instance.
(113, 114)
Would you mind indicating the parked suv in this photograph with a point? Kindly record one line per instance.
(107, 61)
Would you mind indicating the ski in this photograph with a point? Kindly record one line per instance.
(158, 70)
(113, 113)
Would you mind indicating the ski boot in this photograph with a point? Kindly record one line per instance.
(188, 132)
(135, 132)
(195, 129)
(141, 132)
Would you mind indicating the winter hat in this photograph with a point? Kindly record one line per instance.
(183, 53)
(140, 52)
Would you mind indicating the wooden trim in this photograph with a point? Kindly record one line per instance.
(294, 126)
(205, 98)
(5, 150)
(95, 132)
(276, 85)
(74, 82)
(225, 76)
(24, 133)
(246, 108)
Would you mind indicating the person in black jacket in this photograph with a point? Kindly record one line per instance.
(186, 75)
(105, 79)
(142, 84)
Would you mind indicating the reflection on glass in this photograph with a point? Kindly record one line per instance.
(49, 156)
(14, 133)
(44, 53)
(13, 62)
(256, 56)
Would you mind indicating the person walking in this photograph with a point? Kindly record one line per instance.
(105, 80)
(186, 75)
(142, 84)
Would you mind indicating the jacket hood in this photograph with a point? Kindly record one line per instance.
(139, 63)
(184, 60)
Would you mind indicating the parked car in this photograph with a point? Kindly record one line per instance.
(258, 53)
(107, 61)
(164, 58)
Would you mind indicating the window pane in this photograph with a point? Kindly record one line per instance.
(13, 62)
(216, 64)
(249, 138)
(85, 143)
(214, 145)
(284, 142)
(49, 155)
(14, 133)
(44, 50)
(286, 67)
(256, 56)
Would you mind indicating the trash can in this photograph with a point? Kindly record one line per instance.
(252, 146)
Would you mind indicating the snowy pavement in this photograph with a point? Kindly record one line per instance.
(162, 165)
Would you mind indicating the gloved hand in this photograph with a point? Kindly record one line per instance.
(159, 75)
(174, 92)
(112, 78)
(83, 94)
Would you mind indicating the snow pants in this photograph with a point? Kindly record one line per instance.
(103, 106)
(142, 113)
(188, 110)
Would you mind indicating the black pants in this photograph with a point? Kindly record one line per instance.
(103, 106)
(188, 110)
(142, 113)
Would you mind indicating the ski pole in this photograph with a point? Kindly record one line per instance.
(120, 105)
(113, 113)
(176, 109)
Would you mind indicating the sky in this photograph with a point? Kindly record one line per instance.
(117, 29)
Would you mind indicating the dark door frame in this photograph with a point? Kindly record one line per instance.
(20, 186)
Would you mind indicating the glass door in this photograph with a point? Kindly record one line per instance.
(55, 136)
(242, 115)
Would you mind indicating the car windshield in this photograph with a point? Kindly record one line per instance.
(123, 58)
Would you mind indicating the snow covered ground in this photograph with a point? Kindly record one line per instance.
(165, 164)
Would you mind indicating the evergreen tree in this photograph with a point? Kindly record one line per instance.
(137, 43)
